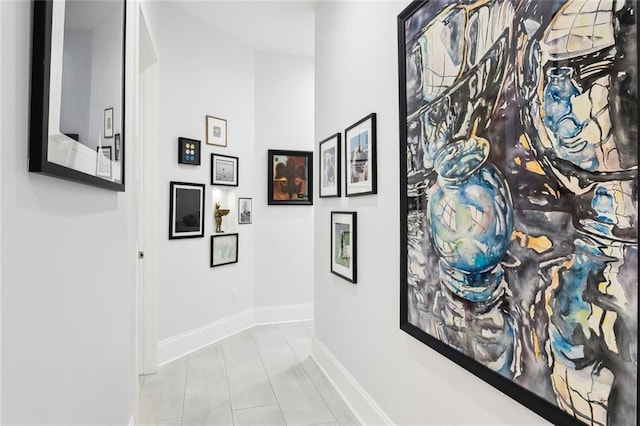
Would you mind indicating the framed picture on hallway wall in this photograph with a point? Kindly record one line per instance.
(360, 164)
(290, 177)
(224, 170)
(224, 249)
(344, 245)
(186, 210)
(216, 131)
(329, 163)
(245, 211)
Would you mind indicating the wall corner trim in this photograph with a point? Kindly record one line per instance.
(363, 406)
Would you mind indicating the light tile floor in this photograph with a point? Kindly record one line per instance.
(263, 376)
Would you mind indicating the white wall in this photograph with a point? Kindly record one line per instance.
(356, 74)
(68, 292)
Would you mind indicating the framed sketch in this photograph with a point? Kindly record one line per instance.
(216, 131)
(186, 210)
(117, 146)
(290, 177)
(224, 249)
(189, 151)
(224, 170)
(245, 211)
(108, 123)
(512, 264)
(103, 161)
(330, 167)
(360, 157)
(344, 245)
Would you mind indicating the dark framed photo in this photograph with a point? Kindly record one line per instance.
(330, 166)
(224, 249)
(216, 131)
(117, 146)
(511, 264)
(108, 123)
(224, 170)
(360, 157)
(103, 161)
(186, 210)
(290, 180)
(189, 151)
(344, 245)
(245, 210)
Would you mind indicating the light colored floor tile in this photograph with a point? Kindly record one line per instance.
(318, 378)
(168, 422)
(301, 404)
(265, 329)
(241, 339)
(140, 383)
(294, 331)
(259, 416)
(207, 408)
(251, 389)
(327, 424)
(284, 367)
(341, 412)
(302, 348)
(205, 375)
(161, 397)
(208, 352)
(270, 343)
(174, 369)
(243, 361)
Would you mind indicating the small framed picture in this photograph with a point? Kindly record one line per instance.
(330, 167)
(224, 170)
(224, 249)
(216, 131)
(344, 245)
(117, 146)
(186, 210)
(245, 212)
(360, 157)
(108, 123)
(290, 179)
(103, 161)
(188, 151)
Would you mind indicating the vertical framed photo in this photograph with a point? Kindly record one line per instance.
(186, 210)
(216, 131)
(290, 177)
(103, 161)
(224, 249)
(224, 170)
(330, 166)
(344, 243)
(245, 211)
(189, 151)
(117, 145)
(360, 157)
(108, 123)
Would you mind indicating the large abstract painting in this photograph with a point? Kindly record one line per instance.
(519, 165)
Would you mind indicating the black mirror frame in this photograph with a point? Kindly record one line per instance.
(40, 89)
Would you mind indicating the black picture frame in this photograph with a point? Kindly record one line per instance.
(344, 245)
(108, 123)
(290, 177)
(117, 145)
(41, 81)
(224, 249)
(360, 165)
(415, 185)
(189, 151)
(329, 166)
(103, 161)
(245, 210)
(186, 210)
(224, 170)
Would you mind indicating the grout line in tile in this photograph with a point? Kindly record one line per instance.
(275, 395)
(226, 376)
(184, 390)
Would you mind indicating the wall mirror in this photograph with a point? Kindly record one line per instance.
(77, 91)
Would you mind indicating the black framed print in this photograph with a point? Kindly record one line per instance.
(216, 131)
(103, 161)
(186, 210)
(108, 123)
(224, 249)
(245, 211)
(189, 151)
(290, 177)
(329, 162)
(117, 146)
(344, 245)
(517, 121)
(224, 170)
(360, 157)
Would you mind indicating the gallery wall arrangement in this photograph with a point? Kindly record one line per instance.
(518, 162)
(290, 177)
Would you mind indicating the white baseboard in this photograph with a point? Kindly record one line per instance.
(183, 344)
(362, 405)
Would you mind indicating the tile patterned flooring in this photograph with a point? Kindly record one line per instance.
(262, 376)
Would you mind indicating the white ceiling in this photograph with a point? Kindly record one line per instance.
(285, 27)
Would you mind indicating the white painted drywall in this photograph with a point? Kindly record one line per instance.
(356, 74)
(68, 293)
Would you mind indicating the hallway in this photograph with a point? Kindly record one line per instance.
(261, 376)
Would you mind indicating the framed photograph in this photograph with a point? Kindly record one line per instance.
(108, 123)
(360, 157)
(290, 177)
(224, 170)
(117, 146)
(512, 264)
(186, 210)
(344, 244)
(224, 249)
(103, 161)
(189, 151)
(330, 167)
(216, 130)
(245, 211)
